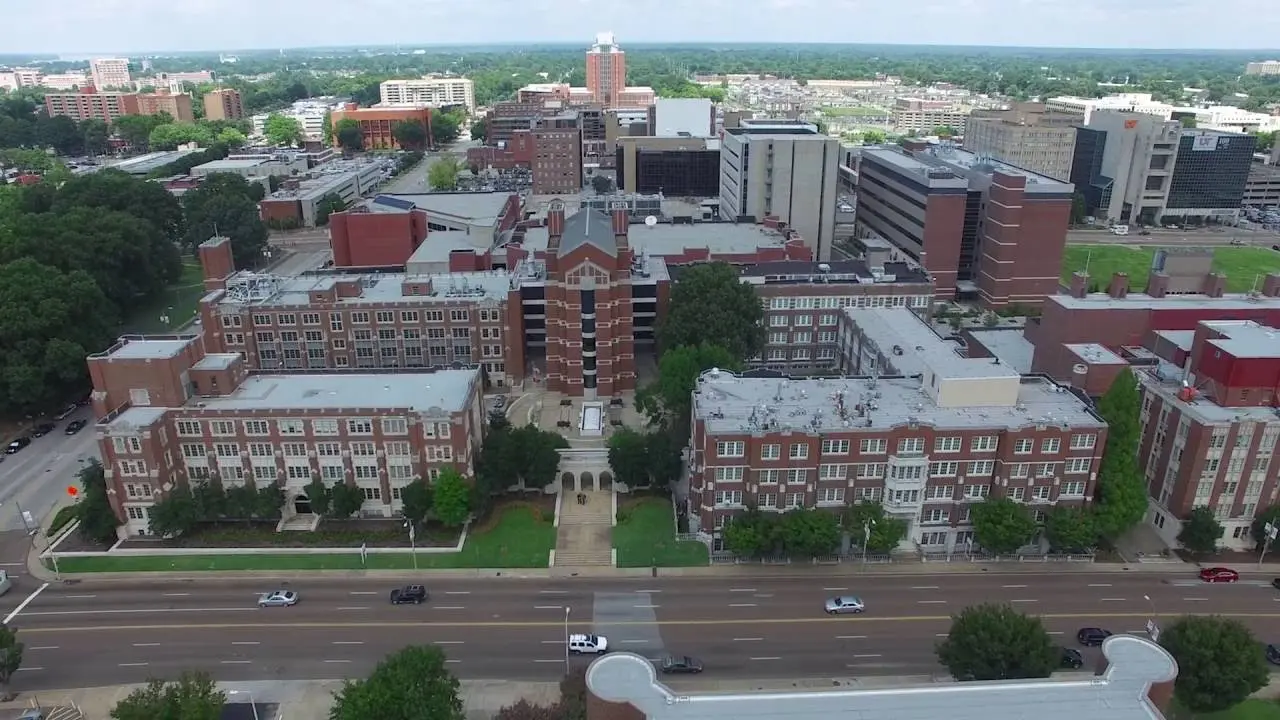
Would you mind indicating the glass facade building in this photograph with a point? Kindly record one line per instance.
(1211, 170)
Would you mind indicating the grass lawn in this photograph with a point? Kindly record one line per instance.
(178, 303)
(1242, 265)
(516, 537)
(645, 535)
(1248, 710)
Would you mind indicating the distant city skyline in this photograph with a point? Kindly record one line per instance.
(78, 28)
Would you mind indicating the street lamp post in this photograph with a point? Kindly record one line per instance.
(566, 639)
(253, 705)
(413, 542)
(1269, 533)
(1153, 625)
(866, 540)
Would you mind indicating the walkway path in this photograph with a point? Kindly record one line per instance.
(585, 535)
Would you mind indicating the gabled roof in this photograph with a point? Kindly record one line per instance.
(588, 227)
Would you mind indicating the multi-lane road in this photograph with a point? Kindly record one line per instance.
(37, 476)
(94, 633)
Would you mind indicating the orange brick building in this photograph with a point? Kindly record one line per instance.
(377, 124)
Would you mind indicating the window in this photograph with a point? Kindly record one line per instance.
(261, 450)
(976, 492)
(910, 447)
(726, 498)
(360, 318)
(1085, 441)
(1040, 493)
(130, 445)
(770, 452)
(799, 451)
(873, 446)
(1045, 470)
(1023, 446)
(946, 445)
(398, 449)
(372, 493)
(835, 447)
(982, 468)
(291, 427)
(1050, 446)
(365, 472)
(935, 516)
(310, 318)
(256, 427)
(729, 474)
(359, 426)
(335, 322)
(933, 538)
(362, 449)
(908, 472)
(797, 475)
(984, 443)
(394, 426)
(735, 448)
(1019, 470)
(193, 450)
(941, 492)
(294, 449)
(830, 496)
(1077, 466)
(869, 471)
(138, 513)
(833, 472)
(222, 427)
(767, 500)
(324, 427)
(329, 449)
(189, 428)
(944, 469)
(794, 500)
(1017, 493)
(768, 477)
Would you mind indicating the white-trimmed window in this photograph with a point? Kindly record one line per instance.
(830, 496)
(770, 452)
(728, 498)
(799, 451)
(733, 448)
(730, 474)
(947, 444)
(835, 447)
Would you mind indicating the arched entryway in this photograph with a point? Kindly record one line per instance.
(586, 481)
(302, 504)
(606, 481)
(566, 482)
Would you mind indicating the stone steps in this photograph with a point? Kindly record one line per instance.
(591, 558)
(63, 712)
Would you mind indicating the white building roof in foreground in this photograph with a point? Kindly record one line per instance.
(1120, 693)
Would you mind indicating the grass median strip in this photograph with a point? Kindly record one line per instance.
(518, 537)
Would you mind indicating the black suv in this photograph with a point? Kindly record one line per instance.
(75, 426)
(43, 429)
(409, 595)
(1072, 659)
(1092, 636)
(1273, 654)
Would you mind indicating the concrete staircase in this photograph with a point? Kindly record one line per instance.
(585, 535)
(299, 523)
(63, 712)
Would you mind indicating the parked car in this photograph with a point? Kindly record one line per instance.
(1219, 575)
(1273, 654)
(66, 412)
(588, 644)
(17, 444)
(1092, 636)
(43, 429)
(75, 426)
(409, 595)
(1072, 659)
(278, 598)
(680, 664)
(845, 604)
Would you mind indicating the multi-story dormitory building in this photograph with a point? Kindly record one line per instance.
(172, 412)
(1210, 425)
(922, 429)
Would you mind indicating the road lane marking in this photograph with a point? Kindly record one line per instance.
(131, 665)
(236, 662)
(742, 604)
(943, 635)
(177, 594)
(246, 642)
(833, 589)
(363, 592)
(452, 662)
(23, 605)
(770, 657)
(851, 637)
(354, 607)
(1057, 632)
(134, 611)
(1196, 599)
(750, 590)
(337, 661)
(450, 607)
(1024, 601)
(449, 642)
(1013, 586)
(648, 592)
(747, 639)
(931, 602)
(29, 669)
(763, 595)
(553, 592)
(924, 587)
(646, 607)
(548, 607)
(1112, 600)
(79, 597)
(1099, 584)
(348, 642)
(556, 624)
(635, 642)
(856, 657)
(146, 644)
(44, 647)
(458, 592)
(549, 661)
(552, 642)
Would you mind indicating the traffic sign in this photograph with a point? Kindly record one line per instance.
(72, 490)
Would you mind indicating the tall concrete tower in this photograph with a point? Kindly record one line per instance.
(606, 70)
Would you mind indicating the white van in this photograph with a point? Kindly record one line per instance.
(1119, 229)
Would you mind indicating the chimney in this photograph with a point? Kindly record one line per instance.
(1215, 284)
(555, 223)
(1271, 285)
(1079, 284)
(1119, 286)
(1158, 284)
(216, 261)
(621, 217)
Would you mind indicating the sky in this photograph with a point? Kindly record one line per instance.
(79, 27)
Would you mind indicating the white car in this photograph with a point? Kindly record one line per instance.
(588, 644)
(279, 598)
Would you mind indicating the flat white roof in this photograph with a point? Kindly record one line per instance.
(900, 333)
(667, 239)
(1095, 354)
(1011, 346)
(246, 288)
(145, 349)
(1142, 301)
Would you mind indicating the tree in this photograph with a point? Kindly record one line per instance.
(268, 501)
(886, 530)
(283, 130)
(445, 127)
(1070, 530)
(319, 495)
(872, 137)
(411, 684)
(711, 305)
(210, 500)
(754, 534)
(175, 513)
(115, 190)
(451, 498)
(1219, 663)
(525, 710)
(345, 500)
(193, 696)
(98, 522)
(242, 500)
(995, 642)
(666, 463)
(171, 135)
(1001, 526)
(348, 135)
(410, 135)
(97, 136)
(601, 184)
(480, 131)
(810, 533)
(135, 130)
(1079, 210)
(10, 655)
(668, 399)
(1201, 531)
(629, 457)
(1259, 528)
(416, 497)
(443, 174)
(1122, 500)
(328, 205)
(224, 205)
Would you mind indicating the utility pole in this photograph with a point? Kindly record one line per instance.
(1269, 533)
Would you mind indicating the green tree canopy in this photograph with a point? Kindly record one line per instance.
(712, 306)
(668, 399)
(283, 130)
(225, 205)
(193, 696)
(446, 127)
(345, 500)
(1122, 493)
(1001, 526)
(443, 174)
(175, 513)
(1070, 530)
(886, 530)
(809, 533)
(410, 135)
(629, 457)
(754, 534)
(348, 135)
(417, 499)
(1201, 531)
(995, 642)
(10, 655)
(98, 522)
(451, 498)
(1220, 663)
(1259, 528)
(411, 684)
(480, 131)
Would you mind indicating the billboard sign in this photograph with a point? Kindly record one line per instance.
(1205, 142)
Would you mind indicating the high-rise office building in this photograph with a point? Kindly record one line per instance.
(1025, 136)
(1210, 175)
(784, 169)
(606, 69)
(110, 73)
(433, 91)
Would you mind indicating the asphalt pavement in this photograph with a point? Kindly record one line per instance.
(1225, 236)
(99, 633)
(36, 477)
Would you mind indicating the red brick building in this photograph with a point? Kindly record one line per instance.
(1210, 427)
(89, 104)
(387, 230)
(557, 161)
(377, 124)
(172, 413)
(927, 445)
(982, 229)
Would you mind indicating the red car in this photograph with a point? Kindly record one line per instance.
(1219, 575)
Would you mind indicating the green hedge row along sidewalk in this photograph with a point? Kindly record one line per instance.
(646, 535)
(520, 538)
(1252, 709)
